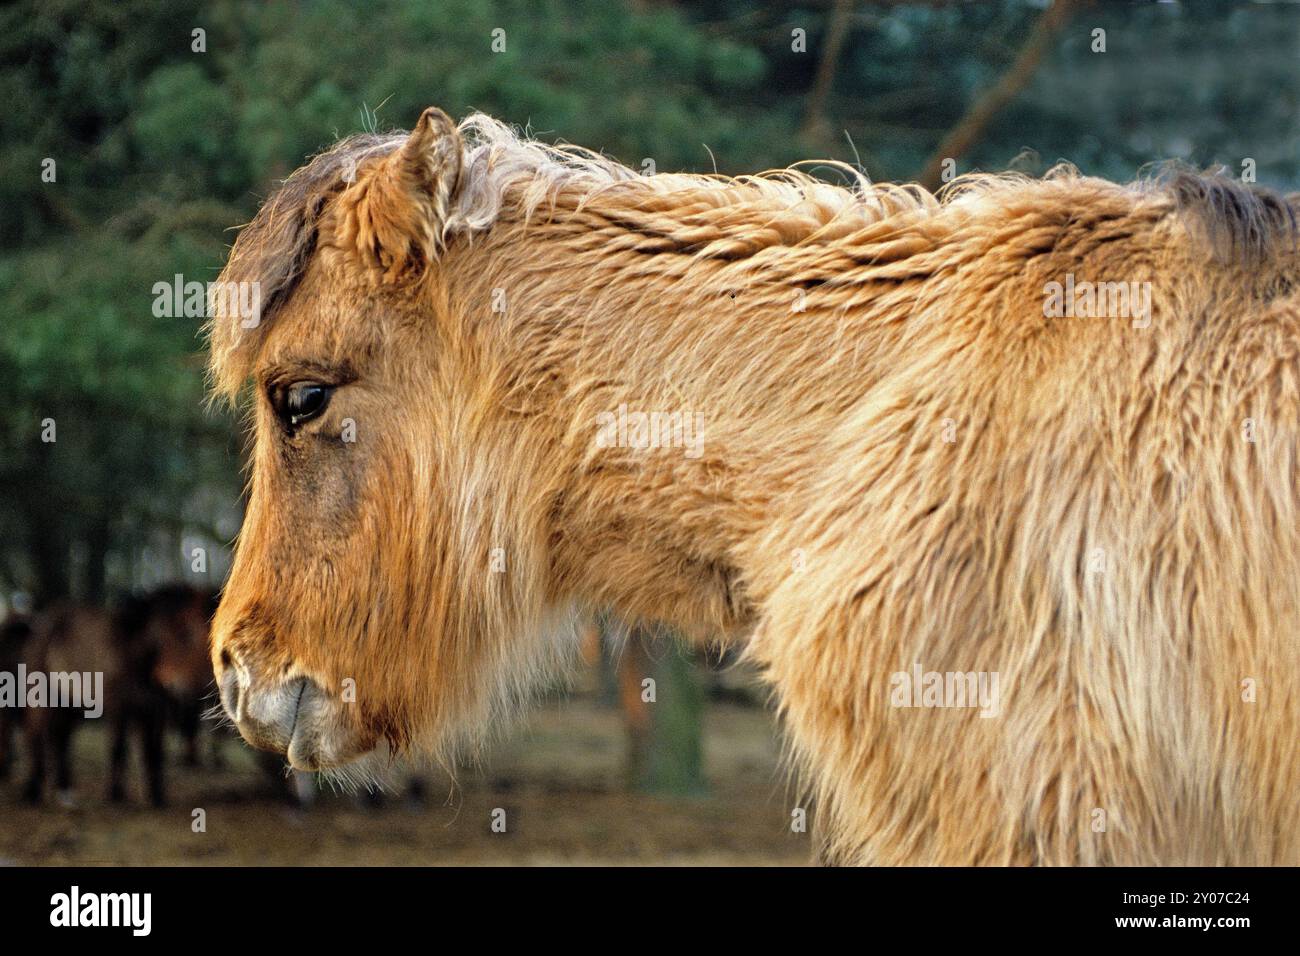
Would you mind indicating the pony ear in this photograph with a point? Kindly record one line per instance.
(396, 215)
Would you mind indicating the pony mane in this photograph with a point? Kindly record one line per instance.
(502, 164)
(505, 171)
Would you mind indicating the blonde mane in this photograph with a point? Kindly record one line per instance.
(711, 216)
(501, 163)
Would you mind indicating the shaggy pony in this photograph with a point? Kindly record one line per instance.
(1034, 436)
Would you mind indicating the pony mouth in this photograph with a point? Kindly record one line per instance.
(308, 747)
(295, 719)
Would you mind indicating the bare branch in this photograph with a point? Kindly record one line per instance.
(837, 29)
(973, 125)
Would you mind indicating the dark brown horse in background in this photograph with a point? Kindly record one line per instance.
(15, 633)
(151, 650)
(183, 669)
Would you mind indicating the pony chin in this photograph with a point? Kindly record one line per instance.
(531, 662)
(373, 771)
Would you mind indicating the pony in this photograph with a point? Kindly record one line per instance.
(997, 487)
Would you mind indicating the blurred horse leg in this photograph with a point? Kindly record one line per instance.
(188, 721)
(35, 730)
(304, 788)
(62, 727)
(216, 737)
(117, 760)
(153, 728)
(6, 744)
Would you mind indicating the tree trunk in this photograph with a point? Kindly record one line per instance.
(664, 719)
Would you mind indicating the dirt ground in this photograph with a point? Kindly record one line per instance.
(559, 778)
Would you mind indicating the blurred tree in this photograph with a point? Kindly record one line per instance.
(662, 699)
(1207, 81)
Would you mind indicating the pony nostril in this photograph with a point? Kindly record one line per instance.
(229, 685)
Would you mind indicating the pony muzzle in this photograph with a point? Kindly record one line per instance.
(294, 717)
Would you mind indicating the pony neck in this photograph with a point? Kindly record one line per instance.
(659, 383)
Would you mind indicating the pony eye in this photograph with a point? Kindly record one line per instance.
(303, 401)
